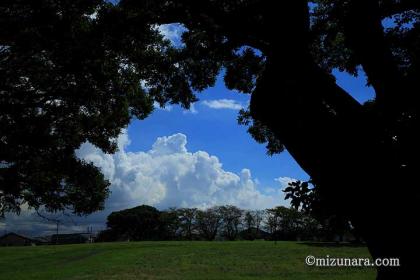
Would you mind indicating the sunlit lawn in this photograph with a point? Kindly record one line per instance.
(177, 260)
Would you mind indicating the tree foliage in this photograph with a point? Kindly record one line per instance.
(231, 221)
(208, 222)
(187, 220)
(140, 223)
(71, 72)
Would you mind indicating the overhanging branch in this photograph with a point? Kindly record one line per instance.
(365, 35)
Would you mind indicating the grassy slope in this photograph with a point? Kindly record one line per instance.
(176, 260)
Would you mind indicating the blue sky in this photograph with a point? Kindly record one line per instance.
(217, 132)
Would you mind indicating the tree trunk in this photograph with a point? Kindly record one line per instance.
(344, 156)
(389, 233)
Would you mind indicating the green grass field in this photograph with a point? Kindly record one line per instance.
(177, 260)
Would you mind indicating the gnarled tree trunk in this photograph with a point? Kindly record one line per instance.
(338, 146)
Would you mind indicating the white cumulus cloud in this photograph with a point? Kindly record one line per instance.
(222, 104)
(284, 181)
(169, 175)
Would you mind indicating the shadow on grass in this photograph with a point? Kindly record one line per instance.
(333, 244)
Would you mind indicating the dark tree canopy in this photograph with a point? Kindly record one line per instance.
(76, 71)
(139, 223)
(208, 222)
(71, 72)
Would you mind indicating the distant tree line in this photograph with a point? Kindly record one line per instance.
(226, 222)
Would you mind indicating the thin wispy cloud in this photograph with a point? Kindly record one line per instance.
(220, 104)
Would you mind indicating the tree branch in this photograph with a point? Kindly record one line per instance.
(364, 33)
(308, 112)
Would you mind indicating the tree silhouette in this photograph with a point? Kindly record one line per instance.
(208, 222)
(139, 223)
(231, 221)
(75, 71)
(187, 217)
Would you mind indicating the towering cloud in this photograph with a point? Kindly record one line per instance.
(169, 175)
